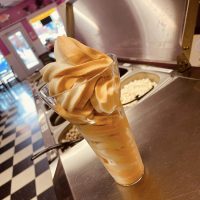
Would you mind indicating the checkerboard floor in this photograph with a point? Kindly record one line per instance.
(20, 137)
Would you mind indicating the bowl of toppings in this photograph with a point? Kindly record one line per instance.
(137, 87)
(67, 138)
(69, 133)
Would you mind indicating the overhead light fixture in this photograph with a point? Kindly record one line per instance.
(4, 17)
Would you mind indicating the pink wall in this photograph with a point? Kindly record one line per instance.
(3, 48)
(29, 29)
(22, 10)
(18, 14)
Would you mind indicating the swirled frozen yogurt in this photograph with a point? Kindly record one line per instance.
(81, 80)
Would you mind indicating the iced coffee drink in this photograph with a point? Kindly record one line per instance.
(85, 87)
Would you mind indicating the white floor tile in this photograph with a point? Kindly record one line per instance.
(11, 119)
(35, 122)
(1, 128)
(8, 139)
(37, 136)
(35, 198)
(43, 182)
(7, 198)
(53, 167)
(22, 128)
(40, 157)
(21, 155)
(22, 179)
(6, 155)
(12, 112)
(6, 175)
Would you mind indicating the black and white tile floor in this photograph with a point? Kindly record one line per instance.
(20, 137)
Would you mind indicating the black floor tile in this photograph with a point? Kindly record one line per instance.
(41, 167)
(18, 133)
(25, 193)
(48, 193)
(11, 115)
(5, 190)
(7, 134)
(7, 147)
(13, 108)
(6, 164)
(21, 166)
(22, 145)
(8, 123)
(2, 123)
(38, 145)
(3, 115)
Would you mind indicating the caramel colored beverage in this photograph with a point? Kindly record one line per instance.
(115, 146)
(84, 88)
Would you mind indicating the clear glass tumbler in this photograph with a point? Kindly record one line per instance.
(109, 135)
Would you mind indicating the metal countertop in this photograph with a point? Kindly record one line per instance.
(167, 130)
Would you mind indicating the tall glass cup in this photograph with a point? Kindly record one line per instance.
(109, 135)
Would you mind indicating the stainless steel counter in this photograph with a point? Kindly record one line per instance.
(167, 130)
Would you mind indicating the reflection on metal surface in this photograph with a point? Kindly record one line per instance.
(159, 12)
(190, 22)
(146, 189)
(183, 63)
(69, 20)
(55, 119)
(188, 32)
(139, 29)
(86, 19)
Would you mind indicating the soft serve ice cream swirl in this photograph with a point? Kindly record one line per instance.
(87, 92)
(82, 81)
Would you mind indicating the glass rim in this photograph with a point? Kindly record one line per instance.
(111, 55)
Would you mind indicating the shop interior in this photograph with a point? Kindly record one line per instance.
(153, 41)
